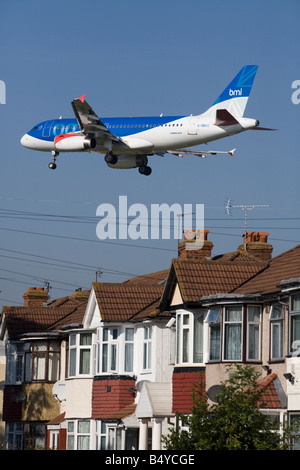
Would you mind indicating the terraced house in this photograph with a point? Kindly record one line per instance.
(109, 368)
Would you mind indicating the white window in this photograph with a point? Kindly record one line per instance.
(80, 356)
(233, 333)
(295, 324)
(276, 328)
(109, 350)
(147, 347)
(79, 434)
(189, 337)
(129, 345)
(253, 333)
(100, 435)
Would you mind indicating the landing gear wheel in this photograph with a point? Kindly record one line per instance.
(145, 170)
(111, 158)
(52, 165)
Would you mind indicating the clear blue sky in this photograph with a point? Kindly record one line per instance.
(138, 58)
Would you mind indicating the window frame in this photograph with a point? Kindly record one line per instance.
(76, 354)
(248, 325)
(226, 329)
(32, 357)
(186, 332)
(278, 323)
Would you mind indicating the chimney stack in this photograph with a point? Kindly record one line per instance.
(35, 297)
(256, 244)
(195, 245)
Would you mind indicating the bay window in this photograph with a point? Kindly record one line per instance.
(42, 361)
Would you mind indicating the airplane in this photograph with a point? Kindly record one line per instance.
(128, 142)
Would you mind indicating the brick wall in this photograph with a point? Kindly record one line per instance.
(184, 380)
(110, 394)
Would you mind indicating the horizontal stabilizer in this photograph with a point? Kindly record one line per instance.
(224, 118)
(199, 153)
(263, 129)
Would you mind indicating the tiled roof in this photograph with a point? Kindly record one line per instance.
(24, 320)
(272, 396)
(123, 413)
(197, 279)
(122, 302)
(154, 279)
(283, 267)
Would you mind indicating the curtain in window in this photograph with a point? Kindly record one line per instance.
(233, 333)
(84, 361)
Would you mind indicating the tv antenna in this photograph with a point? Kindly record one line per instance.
(245, 208)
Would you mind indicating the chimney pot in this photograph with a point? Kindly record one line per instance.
(35, 297)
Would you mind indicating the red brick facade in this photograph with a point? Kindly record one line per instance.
(110, 394)
(184, 380)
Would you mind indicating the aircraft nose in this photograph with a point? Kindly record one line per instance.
(25, 141)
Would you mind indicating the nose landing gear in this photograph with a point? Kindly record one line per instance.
(52, 165)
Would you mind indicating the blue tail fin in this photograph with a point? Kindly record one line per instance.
(235, 96)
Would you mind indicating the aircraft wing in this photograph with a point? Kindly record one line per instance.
(199, 153)
(88, 120)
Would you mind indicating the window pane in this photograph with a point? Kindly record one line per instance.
(39, 364)
(296, 302)
(128, 357)
(113, 357)
(83, 427)
(233, 314)
(276, 340)
(215, 342)
(198, 338)
(233, 345)
(53, 366)
(104, 357)
(83, 443)
(84, 365)
(295, 332)
(129, 334)
(185, 345)
(276, 312)
(85, 339)
(72, 368)
(253, 342)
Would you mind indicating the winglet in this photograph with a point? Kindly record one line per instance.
(231, 152)
(82, 98)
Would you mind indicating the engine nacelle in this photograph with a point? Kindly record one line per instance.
(126, 161)
(74, 143)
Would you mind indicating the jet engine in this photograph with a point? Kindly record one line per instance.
(126, 161)
(74, 143)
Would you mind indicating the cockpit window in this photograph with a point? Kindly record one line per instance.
(34, 128)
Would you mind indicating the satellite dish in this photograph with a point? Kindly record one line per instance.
(213, 391)
(59, 390)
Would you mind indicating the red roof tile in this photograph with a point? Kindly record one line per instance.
(121, 302)
(283, 267)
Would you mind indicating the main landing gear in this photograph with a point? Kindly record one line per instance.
(145, 170)
(52, 165)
